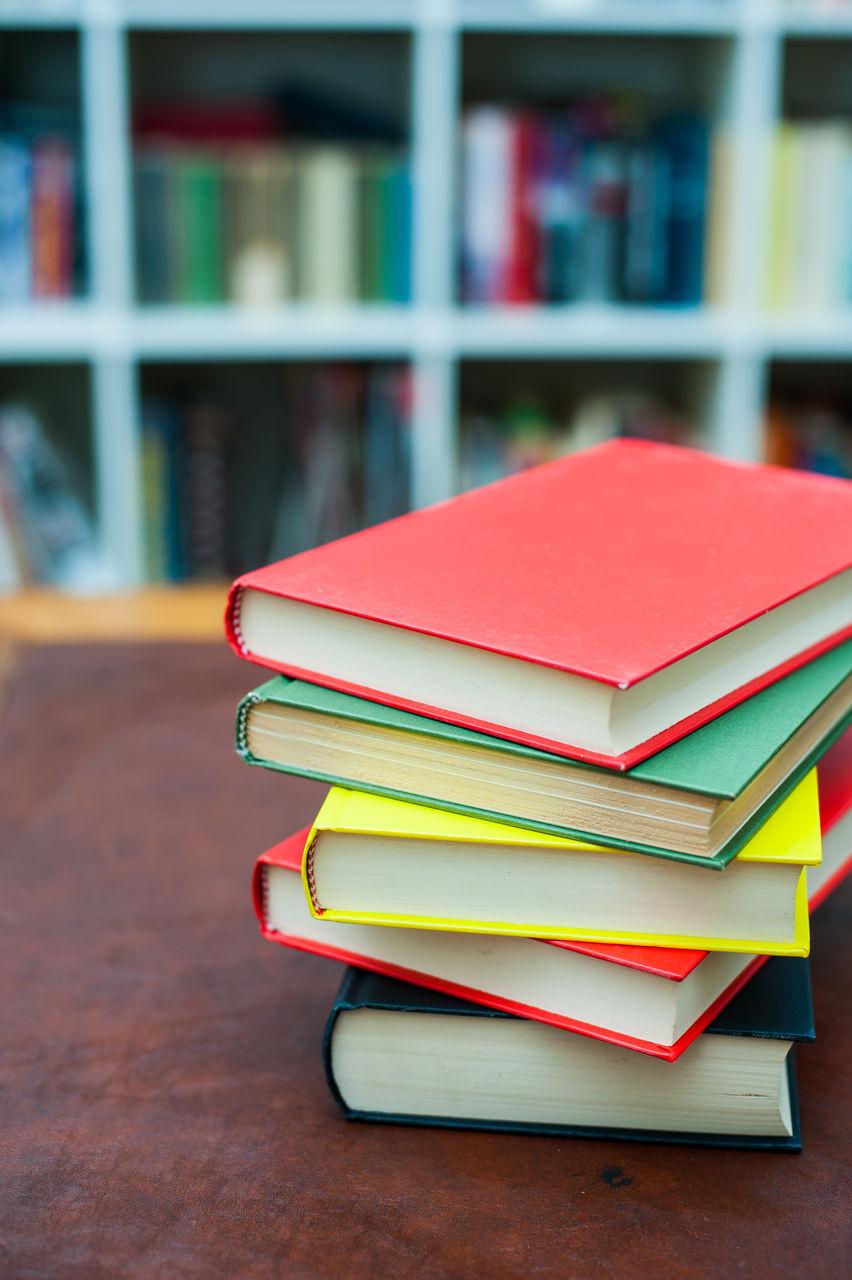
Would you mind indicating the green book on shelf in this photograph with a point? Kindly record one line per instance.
(698, 800)
(375, 167)
(200, 225)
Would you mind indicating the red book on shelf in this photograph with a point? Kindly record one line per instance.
(207, 122)
(654, 1000)
(52, 218)
(521, 265)
(600, 607)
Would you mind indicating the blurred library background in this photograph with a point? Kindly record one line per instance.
(277, 270)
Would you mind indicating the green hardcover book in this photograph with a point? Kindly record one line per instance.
(202, 245)
(699, 800)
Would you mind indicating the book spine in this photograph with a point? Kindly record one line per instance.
(52, 211)
(486, 222)
(648, 209)
(201, 223)
(521, 265)
(16, 283)
(150, 200)
(161, 503)
(207, 431)
(241, 729)
(686, 141)
(371, 222)
(559, 206)
(606, 179)
(400, 233)
(778, 289)
(328, 233)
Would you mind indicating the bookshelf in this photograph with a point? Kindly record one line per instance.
(743, 61)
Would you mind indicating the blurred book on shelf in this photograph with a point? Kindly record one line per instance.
(809, 237)
(528, 429)
(341, 462)
(591, 203)
(233, 205)
(46, 534)
(41, 241)
(811, 433)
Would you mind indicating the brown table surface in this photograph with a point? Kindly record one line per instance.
(164, 1108)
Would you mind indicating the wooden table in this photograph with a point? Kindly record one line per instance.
(164, 1108)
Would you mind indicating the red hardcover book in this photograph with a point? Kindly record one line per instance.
(601, 606)
(619, 991)
(520, 281)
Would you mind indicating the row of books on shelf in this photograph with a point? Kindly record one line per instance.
(811, 435)
(40, 202)
(591, 204)
(587, 733)
(263, 223)
(809, 240)
(529, 428)
(340, 460)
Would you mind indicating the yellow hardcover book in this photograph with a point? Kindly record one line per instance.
(374, 860)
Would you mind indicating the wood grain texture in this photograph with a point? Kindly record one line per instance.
(163, 1106)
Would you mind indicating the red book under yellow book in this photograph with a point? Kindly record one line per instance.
(654, 1000)
(599, 607)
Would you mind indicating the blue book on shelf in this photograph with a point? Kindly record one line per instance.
(398, 263)
(15, 233)
(686, 140)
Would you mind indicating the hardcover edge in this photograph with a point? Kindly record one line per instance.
(792, 1144)
(718, 861)
(621, 762)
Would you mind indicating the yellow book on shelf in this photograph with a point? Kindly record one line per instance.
(781, 217)
(373, 860)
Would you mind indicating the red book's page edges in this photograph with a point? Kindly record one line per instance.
(621, 762)
(668, 1052)
(611, 564)
(287, 854)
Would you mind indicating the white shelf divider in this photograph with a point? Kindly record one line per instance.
(106, 135)
(434, 108)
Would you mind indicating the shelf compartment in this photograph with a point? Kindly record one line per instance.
(42, 221)
(522, 413)
(271, 167)
(242, 464)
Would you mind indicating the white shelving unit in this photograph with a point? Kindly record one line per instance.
(113, 335)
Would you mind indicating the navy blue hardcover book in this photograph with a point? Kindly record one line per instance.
(398, 1053)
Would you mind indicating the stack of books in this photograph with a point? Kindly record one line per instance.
(585, 729)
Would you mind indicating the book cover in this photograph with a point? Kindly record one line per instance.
(789, 840)
(611, 565)
(720, 759)
(775, 1005)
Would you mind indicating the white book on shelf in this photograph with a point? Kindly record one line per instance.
(820, 215)
(487, 157)
(327, 233)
